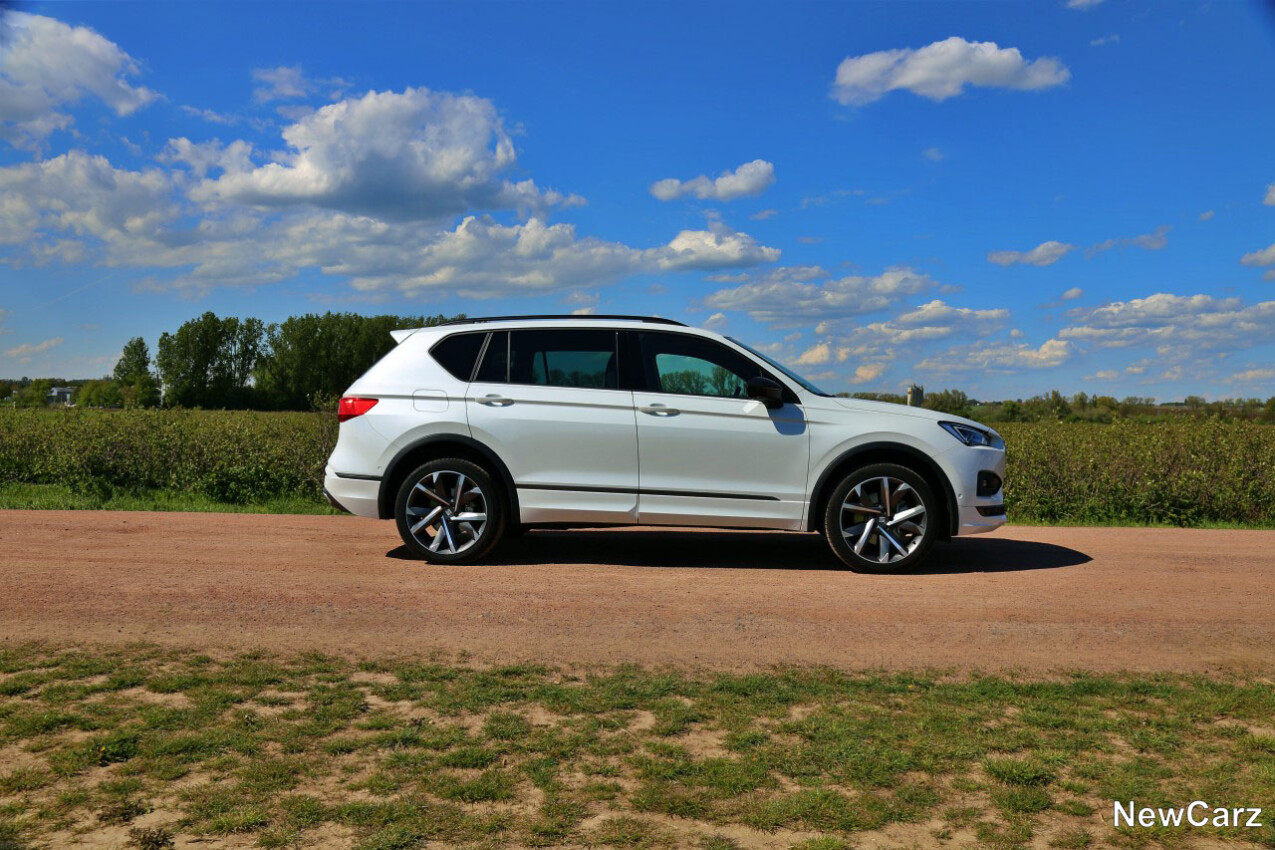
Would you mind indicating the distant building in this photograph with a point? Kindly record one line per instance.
(60, 395)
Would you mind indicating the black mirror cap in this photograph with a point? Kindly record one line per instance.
(766, 391)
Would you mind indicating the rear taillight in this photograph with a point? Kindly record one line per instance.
(351, 407)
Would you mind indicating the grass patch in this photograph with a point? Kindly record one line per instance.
(270, 749)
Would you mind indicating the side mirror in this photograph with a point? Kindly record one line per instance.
(766, 391)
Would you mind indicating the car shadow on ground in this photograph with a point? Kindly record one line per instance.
(756, 550)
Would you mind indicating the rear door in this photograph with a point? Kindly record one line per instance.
(548, 402)
(709, 454)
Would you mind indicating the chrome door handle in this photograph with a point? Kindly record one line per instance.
(659, 410)
(495, 401)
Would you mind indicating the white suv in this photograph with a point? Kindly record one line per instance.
(470, 431)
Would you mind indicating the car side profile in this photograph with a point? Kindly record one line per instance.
(472, 431)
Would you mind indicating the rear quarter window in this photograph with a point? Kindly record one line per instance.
(458, 354)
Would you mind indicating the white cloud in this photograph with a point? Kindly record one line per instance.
(46, 65)
(412, 155)
(290, 82)
(1044, 254)
(1073, 293)
(717, 248)
(1103, 375)
(762, 215)
(933, 154)
(1103, 41)
(786, 297)
(1269, 200)
(1177, 325)
(716, 321)
(1264, 257)
(751, 178)
(28, 349)
(1206, 215)
(1082, 4)
(942, 70)
(867, 372)
(1250, 375)
(999, 357)
(816, 355)
(1154, 241)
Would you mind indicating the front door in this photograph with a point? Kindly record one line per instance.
(548, 402)
(709, 454)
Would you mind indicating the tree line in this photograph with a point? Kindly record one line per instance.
(302, 363)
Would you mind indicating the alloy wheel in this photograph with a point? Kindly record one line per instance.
(446, 512)
(883, 519)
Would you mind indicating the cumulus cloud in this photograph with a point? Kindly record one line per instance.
(28, 349)
(942, 70)
(815, 355)
(1206, 215)
(751, 178)
(1179, 325)
(1252, 375)
(46, 65)
(1044, 254)
(1264, 257)
(787, 297)
(716, 248)
(1073, 293)
(1103, 41)
(933, 154)
(1103, 375)
(1082, 4)
(1001, 357)
(867, 372)
(1269, 200)
(717, 321)
(415, 154)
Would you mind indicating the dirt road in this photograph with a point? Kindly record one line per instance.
(1028, 598)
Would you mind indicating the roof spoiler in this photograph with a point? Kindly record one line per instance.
(399, 336)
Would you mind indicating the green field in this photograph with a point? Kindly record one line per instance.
(397, 752)
(1187, 473)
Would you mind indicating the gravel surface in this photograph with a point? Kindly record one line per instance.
(1031, 599)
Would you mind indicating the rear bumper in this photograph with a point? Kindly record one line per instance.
(358, 496)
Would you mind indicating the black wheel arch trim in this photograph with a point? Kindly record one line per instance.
(931, 470)
(385, 499)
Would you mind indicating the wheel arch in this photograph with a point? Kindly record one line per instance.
(436, 446)
(884, 452)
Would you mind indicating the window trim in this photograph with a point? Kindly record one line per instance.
(648, 382)
(478, 359)
(616, 352)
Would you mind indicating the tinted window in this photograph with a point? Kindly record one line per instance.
(690, 365)
(458, 353)
(495, 368)
(564, 358)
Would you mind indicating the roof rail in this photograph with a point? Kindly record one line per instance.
(652, 319)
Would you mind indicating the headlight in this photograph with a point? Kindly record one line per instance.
(971, 436)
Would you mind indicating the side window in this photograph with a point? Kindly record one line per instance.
(564, 358)
(495, 365)
(457, 354)
(689, 365)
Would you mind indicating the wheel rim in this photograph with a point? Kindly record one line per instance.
(883, 519)
(446, 512)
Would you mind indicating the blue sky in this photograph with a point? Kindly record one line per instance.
(1005, 198)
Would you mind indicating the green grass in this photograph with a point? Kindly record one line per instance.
(402, 751)
(63, 498)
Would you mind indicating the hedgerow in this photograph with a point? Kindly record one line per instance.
(1180, 473)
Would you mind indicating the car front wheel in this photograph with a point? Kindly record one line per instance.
(450, 511)
(882, 518)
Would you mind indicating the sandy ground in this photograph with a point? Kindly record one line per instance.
(1032, 599)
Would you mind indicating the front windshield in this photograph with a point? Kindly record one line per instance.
(791, 374)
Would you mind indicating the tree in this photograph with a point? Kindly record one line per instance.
(209, 362)
(34, 394)
(135, 384)
(954, 402)
(312, 356)
(104, 393)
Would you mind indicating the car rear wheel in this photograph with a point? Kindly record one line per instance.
(450, 511)
(882, 518)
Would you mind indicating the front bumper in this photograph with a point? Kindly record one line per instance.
(975, 514)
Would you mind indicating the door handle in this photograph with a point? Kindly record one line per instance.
(495, 401)
(659, 410)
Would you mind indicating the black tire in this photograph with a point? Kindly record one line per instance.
(433, 523)
(914, 533)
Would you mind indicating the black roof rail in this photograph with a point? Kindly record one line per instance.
(590, 316)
